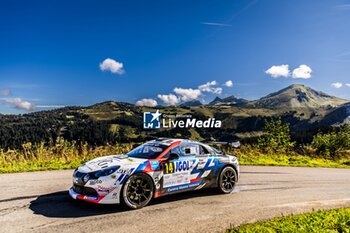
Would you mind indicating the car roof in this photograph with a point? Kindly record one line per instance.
(170, 141)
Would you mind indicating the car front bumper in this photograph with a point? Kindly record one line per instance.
(88, 198)
(110, 198)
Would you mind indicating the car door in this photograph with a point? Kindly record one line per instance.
(177, 172)
(203, 171)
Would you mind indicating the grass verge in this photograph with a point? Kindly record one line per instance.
(337, 220)
(292, 160)
(67, 155)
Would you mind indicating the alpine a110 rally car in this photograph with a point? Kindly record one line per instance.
(154, 169)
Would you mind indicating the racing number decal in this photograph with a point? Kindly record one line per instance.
(168, 167)
(177, 166)
(176, 173)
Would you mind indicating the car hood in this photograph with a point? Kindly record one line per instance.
(108, 161)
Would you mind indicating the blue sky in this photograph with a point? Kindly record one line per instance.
(52, 52)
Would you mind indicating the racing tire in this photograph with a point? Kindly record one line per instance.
(137, 191)
(227, 180)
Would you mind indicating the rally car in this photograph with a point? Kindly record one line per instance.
(154, 169)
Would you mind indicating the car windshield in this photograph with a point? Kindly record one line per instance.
(147, 151)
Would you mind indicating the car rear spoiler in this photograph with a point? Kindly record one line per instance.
(236, 144)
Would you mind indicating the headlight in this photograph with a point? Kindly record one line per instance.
(86, 178)
(106, 172)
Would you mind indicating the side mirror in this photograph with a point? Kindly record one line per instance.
(236, 144)
(173, 156)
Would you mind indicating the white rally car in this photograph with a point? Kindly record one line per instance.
(156, 168)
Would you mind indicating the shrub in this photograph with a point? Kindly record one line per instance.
(332, 145)
(276, 137)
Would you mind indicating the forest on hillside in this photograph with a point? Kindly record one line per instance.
(82, 126)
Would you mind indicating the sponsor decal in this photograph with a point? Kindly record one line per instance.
(104, 190)
(125, 171)
(157, 177)
(90, 198)
(93, 182)
(176, 172)
(177, 166)
(104, 163)
(154, 165)
(174, 179)
(186, 186)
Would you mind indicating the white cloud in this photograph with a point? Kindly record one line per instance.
(187, 94)
(228, 83)
(18, 103)
(217, 90)
(50, 106)
(347, 84)
(169, 100)
(278, 71)
(337, 85)
(208, 87)
(216, 24)
(5, 92)
(147, 102)
(112, 65)
(342, 7)
(303, 71)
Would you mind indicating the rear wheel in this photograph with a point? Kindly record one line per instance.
(137, 191)
(227, 180)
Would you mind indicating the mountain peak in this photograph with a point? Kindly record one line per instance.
(217, 99)
(297, 96)
(191, 103)
(230, 100)
(296, 85)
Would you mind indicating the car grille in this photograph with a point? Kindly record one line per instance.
(84, 190)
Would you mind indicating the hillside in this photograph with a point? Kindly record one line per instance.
(110, 122)
(340, 115)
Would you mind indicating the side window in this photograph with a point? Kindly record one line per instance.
(189, 149)
(203, 150)
(207, 151)
(167, 154)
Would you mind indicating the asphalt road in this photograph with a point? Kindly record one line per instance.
(39, 202)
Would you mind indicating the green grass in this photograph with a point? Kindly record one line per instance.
(67, 155)
(41, 165)
(291, 160)
(62, 155)
(248, 155)
(320, 221)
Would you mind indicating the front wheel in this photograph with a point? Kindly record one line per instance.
(227, 180)
(137, 191)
